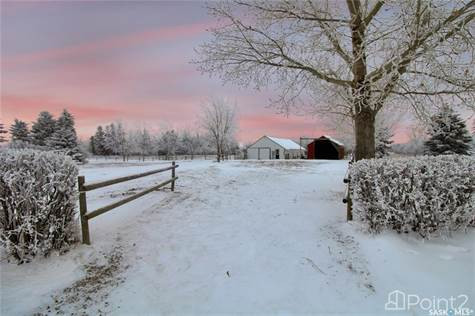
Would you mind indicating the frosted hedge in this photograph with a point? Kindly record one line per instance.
(37, 202)
(428, 195)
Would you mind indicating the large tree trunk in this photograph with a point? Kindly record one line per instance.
(364, 117)
(364, 134)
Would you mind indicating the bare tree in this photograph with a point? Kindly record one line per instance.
(168, 143)
(123, 145)
(354, 58)
(219, 122)
(144, 143)
(231, 147)
(191, 143)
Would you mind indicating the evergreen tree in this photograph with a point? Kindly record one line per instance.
(110, 140)
(448, 134)
(92, 146)
(383, 141)
(19, 131)
(99, 142)
(42, 129)
(2, 132)
(64, 138)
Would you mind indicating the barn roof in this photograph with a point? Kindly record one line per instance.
(286, 143)
(333, 140)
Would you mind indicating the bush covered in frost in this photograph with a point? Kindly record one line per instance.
(428, 195)
(37, 202)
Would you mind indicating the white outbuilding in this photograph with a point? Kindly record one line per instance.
(268, 147)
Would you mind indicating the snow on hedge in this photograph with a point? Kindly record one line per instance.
(428, 195)
(37, 202)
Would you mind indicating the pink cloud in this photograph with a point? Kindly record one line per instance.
(103, 82)
(169, 33)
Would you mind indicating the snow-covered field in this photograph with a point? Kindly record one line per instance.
(253, 237)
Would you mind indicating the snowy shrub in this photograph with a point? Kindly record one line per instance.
(428, 195)
(37, 202)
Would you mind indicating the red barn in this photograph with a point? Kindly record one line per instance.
(325, 147)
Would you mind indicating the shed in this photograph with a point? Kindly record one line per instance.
(268, 147)
(325, 147)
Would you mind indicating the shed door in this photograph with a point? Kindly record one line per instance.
(263, 153)
(324, 149)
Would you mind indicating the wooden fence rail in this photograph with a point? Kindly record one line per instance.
(85, 216)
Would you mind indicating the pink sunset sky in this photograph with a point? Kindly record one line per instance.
(123, 61)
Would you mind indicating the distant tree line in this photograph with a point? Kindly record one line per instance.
(216, 137)
(115, 140)
(47, 133)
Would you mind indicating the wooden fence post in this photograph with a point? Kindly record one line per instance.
(173, 176)
(349, 206)
(347, 198)
(83, 211)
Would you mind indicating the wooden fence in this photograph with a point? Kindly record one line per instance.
(347, 199)
(85, 216)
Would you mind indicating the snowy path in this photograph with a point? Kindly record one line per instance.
(238, 237)
(236, 240)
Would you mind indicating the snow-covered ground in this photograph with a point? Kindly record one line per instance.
(253, 237)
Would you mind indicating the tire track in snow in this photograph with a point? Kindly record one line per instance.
(346, 254)
(89, 294)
